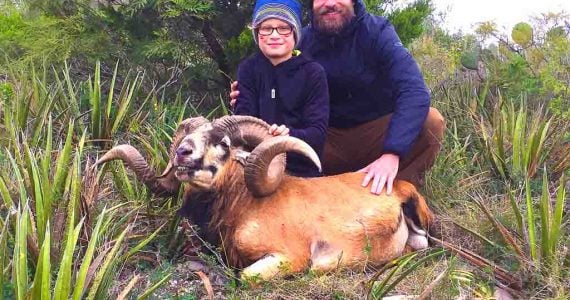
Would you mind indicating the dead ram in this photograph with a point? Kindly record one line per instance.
(271, 223)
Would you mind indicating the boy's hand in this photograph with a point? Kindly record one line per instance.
(234, 93)
(278, 130)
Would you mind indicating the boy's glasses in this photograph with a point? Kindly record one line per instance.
(282, 30)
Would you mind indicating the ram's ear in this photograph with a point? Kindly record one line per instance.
(241, 156)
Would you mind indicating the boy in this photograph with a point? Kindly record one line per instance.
(282, 86)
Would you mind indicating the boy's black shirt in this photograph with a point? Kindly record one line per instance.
(293, 93)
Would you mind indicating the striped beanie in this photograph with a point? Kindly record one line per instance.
(285, 10)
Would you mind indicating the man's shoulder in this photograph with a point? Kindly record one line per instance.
(374, 24)
(310, 65)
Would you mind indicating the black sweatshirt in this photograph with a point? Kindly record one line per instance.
(293, 93)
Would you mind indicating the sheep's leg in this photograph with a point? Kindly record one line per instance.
(324, 257)
(266, 268)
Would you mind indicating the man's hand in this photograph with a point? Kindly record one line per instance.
(234, 93)
(278, 130)
(382, 172)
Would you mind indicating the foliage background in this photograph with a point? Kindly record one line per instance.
(78, 76)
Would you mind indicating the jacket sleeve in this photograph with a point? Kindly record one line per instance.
(247, 101)
(408, 89)
(315, 110)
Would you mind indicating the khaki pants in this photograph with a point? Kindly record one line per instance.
(351, 149)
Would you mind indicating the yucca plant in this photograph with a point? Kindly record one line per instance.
(107, 117)
(517, 142)
(541, 228)
(399, 269)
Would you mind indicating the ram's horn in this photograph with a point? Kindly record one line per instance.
(244, 129)
(166, 186)
(266, 164)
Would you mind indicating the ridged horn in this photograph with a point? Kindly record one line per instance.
(166, 186)
(266, 164)
(246, 129)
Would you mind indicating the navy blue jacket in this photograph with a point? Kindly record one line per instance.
(293, 93)
(370, 75)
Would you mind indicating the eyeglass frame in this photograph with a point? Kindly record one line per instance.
(289, 27)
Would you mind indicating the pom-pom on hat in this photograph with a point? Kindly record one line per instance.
(285, 10)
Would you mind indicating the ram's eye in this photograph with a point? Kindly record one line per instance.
(225, 142)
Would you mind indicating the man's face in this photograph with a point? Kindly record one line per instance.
(331, 16)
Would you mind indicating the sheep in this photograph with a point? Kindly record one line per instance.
(273, 224)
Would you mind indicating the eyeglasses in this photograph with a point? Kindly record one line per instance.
(282, 30)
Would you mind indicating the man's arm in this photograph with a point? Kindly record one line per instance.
(411, 109)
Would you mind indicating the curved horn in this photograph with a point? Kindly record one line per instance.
(265, 165)
(185, 128)
(246, 129)
(160, 186)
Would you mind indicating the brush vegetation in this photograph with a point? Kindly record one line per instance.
(77, 77)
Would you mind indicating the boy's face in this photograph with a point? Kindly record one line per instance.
(278, 45)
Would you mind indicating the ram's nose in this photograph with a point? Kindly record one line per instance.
(184, 151)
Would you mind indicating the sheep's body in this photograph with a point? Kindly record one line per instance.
(269, 223)
(322, 223)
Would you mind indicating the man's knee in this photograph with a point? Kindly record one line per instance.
(434, 125)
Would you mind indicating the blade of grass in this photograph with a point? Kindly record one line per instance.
(516, 209)
(20, 257)
(36, 185)
(530, 220)
(63, 282)
(97, 289)
(558, 214)
(404, 274)
(502, 230)
(18, 178)
(143, 243)
(517, 140)
(149, 292)
(62, 167)
(80, 286)
(46, 169)
(42, 284)
(111, 91)
(125, 105)
(4, 250)
(545, 213)
(375, 290)
(8, 202)
(95, 102)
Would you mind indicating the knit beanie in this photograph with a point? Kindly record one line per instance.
(285, 10)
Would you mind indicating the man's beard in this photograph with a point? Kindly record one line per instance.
(332, 26)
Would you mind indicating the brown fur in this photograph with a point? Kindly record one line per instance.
(333, 217)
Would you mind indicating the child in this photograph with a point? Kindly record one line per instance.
(282, 86)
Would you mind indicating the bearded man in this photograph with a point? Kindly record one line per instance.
(380, 122)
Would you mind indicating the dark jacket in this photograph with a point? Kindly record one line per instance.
(293, 93)
(370, 75)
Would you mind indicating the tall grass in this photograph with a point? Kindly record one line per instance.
(518, 142)
(65, 244)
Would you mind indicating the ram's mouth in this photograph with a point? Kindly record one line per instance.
(185, 173)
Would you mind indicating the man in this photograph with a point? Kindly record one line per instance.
(380, 120)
